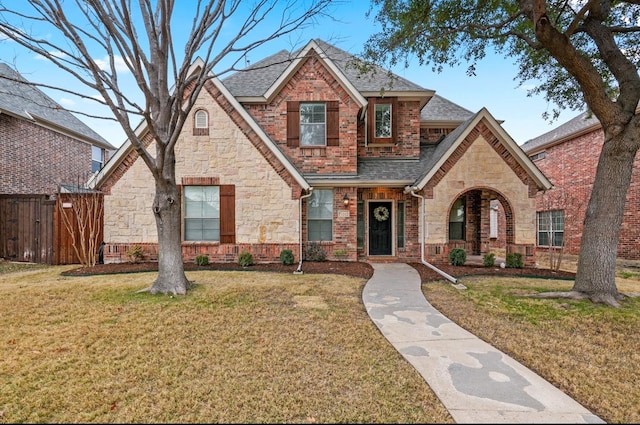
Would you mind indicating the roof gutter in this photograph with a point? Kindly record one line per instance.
(447, 276)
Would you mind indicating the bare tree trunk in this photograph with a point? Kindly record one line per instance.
(598, 248)
(166, 207)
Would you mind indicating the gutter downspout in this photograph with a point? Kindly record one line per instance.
(422, 228)
(299, 269)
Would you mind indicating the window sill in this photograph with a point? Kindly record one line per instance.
(381, 145)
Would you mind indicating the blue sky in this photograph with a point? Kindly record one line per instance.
(492, 87)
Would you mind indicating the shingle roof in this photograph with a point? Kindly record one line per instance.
(22, 99)
(575, 125)
(257, 78)
(440, 109)
(382, 170)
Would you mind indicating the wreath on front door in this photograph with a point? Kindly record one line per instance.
(381, 213)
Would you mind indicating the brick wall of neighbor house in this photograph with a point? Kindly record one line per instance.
(571, 167)
(35, 160)
(266, 211)
(482, 168)
(312, 82)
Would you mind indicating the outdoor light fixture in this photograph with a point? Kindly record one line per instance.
(345, 200)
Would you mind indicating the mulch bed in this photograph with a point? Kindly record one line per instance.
(349, 268)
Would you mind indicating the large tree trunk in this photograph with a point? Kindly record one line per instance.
(598, 248)
(166, 207)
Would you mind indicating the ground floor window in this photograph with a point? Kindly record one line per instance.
(551, 228)
(320, 215)
(201, 213)
(457, 220)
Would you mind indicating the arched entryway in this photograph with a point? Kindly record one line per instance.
(480, 221)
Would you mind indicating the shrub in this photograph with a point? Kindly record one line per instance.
(315, 252)
(286, 257)
(514, 260)
(457, 256)
(339, 253)
(202, 259)
(135, 253)
(245, 259)
(489, 259)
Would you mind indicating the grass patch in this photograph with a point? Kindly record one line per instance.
(242, 347)
(588, 350)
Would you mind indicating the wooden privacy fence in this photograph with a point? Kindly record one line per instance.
(36, 229)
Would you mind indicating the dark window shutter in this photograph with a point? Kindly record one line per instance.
(293, 124)
(333, 123)
(227, 213)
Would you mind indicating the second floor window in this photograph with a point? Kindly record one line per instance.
(383, 120)
(97, 158)
(201, 123)
(312, 124)
(382, 117)
(202, 119)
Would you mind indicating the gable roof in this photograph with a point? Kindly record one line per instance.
(100, 177)
(23, 100)
(262, 80)
(449, 144)
(416, 173)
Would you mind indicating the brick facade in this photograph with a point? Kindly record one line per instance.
(571, 167)
(270, 212)
(35, 160)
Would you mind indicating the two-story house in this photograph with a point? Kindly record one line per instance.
(300, 151)
(569, 156)
(44, 149)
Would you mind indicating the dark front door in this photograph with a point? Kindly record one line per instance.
(380, 228)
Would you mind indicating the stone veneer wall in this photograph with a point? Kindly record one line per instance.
(481, 167)
(267, 216)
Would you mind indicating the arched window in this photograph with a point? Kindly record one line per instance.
(201, 123)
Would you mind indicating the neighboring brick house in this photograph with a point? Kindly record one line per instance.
(43, 149)
(299, 151)
(568, 156)
(43, 144)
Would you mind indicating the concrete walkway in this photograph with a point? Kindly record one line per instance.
(474, 381)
